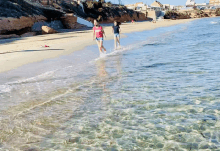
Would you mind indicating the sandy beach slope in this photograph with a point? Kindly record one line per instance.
(18, 52)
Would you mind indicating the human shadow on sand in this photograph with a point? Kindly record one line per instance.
(61, 32)
(30, 51)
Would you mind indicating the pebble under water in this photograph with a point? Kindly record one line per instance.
(160, 92)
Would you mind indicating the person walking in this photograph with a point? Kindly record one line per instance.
(116, 30)
(98, 33)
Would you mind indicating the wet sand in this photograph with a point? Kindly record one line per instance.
(18, 52)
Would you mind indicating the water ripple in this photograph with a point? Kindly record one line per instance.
(162, 93)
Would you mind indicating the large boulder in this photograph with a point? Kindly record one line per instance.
(11, 24)
(177, 15)
(193, 15)
(16, 24)
(56, 24)
(69, 21)
(142, 16)
(48, 30)
(18, 8)
(138, 16)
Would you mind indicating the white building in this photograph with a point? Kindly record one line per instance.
(172, 7)
(168, 6)
(202, 4)
(190, 3)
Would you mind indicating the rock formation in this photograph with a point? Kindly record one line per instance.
(186, 14)
(19, 16)
(69, 21)
(176, 15)
(48, 30)
(12, 24)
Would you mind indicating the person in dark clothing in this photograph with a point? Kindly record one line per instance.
(116, 30)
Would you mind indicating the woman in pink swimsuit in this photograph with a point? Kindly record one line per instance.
(98, 33)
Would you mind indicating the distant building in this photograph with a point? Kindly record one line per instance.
(130, 7)
(179, 7)
(190, 3)
(172, 7)
(156, 4)
(168, 6)
(214, 2)
(137, 6)
(202, 4)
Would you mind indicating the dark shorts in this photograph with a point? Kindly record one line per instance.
(99, 39)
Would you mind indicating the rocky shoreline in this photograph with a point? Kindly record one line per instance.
(195, 13)
(21, 18)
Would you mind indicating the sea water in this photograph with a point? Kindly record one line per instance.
(161, 91)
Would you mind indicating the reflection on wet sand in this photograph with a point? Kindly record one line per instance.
(104, 77)
(101, 64)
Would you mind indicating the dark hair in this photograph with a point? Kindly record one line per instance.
(118, 23)
(96, 22)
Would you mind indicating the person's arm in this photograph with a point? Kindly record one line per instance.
(103, 32)
(93, 34)
(112, 29)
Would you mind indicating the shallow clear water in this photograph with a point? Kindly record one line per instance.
(161, 92)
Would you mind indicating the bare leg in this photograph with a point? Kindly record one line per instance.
(115, 39)
(99, 46)
(118, 40)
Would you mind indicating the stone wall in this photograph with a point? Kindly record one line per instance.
(151, 14)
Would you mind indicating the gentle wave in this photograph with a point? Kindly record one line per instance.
(162, 95)
(214, 22)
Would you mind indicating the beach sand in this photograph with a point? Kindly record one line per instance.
(18, 52)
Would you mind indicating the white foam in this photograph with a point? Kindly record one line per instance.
(7, 87)
(122, 49)
(102, 55)
(41, 76)
(112, 52)
(214, 22)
